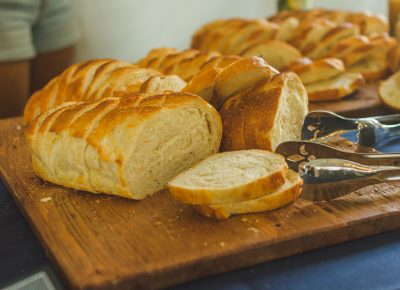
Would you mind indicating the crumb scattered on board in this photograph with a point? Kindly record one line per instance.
(45, 199)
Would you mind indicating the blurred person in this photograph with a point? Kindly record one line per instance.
(36, 44)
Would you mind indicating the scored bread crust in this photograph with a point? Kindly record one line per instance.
(239, 76)
(319, 70)
(237, 193)
(88, 81)
(335, 88)
(103, 146)
(158, 84)
(284, 195)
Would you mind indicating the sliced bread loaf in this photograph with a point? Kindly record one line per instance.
(286, 194)
(230, 177)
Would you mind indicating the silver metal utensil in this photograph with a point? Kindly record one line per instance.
(298, 152)
(368, 132)
(327, 179)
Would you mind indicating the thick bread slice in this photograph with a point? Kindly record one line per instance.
(160, 84)
(203, 84)
(266, 115)
(286, 194)
(389, 91)
(319, 70)
(277, 53)
(239, 76)
(335, 88)
(230, 177)
(129, 146)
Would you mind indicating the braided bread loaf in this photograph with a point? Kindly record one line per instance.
(96, 79)
(129, 146)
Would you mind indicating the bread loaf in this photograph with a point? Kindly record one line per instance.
(129, 146)
(86, 82)
(269, 113)
(389, 92)
(230, 177)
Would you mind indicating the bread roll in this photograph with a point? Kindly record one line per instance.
(129, 146)
(266, 115)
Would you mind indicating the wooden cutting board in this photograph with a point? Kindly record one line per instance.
(99, 241)
(364, 102)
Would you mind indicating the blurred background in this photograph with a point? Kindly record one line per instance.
(128, 29)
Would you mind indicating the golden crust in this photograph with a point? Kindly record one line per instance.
(203, 83)
(267, 202)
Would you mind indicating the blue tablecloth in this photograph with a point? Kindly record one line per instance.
(369, 263)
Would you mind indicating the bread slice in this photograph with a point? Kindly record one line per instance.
(203, 84)
(389, 91)
(319, 70)
(335, 88)
(277, 53)
(220, 62)
(287, 29)
(230, 177)
(269, 113)
(159, 84)
(239, 76)
(155, 54)
(286, 194)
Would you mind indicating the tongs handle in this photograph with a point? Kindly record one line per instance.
(388, 119)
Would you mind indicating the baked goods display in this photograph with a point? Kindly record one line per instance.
(359, 40)
(235, 182)
(130, 146)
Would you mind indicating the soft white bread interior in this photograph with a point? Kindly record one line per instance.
(277, 53)
(129, 146)
(238, 76)
(389, 92)
(269, 113)
(230, 177)
(335, 88)
(284, 195)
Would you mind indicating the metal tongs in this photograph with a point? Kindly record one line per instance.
(329, 173)
(370, 132)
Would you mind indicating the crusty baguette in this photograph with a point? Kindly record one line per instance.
(284, 195)
(88, 81)
(277, 53)
(220, 62)
(319, 70)
(239, 76)
(155, 54)
(269, 113)
(129, 146)
(389, 91)
(230, 177)
(203, 83)
(335, 88)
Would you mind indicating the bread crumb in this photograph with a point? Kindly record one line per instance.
(158, 222)
(205, 244)
(222, 244)
(19, 127)
(45, 199)
(257, 221)
(244, 220)
(252, 229)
